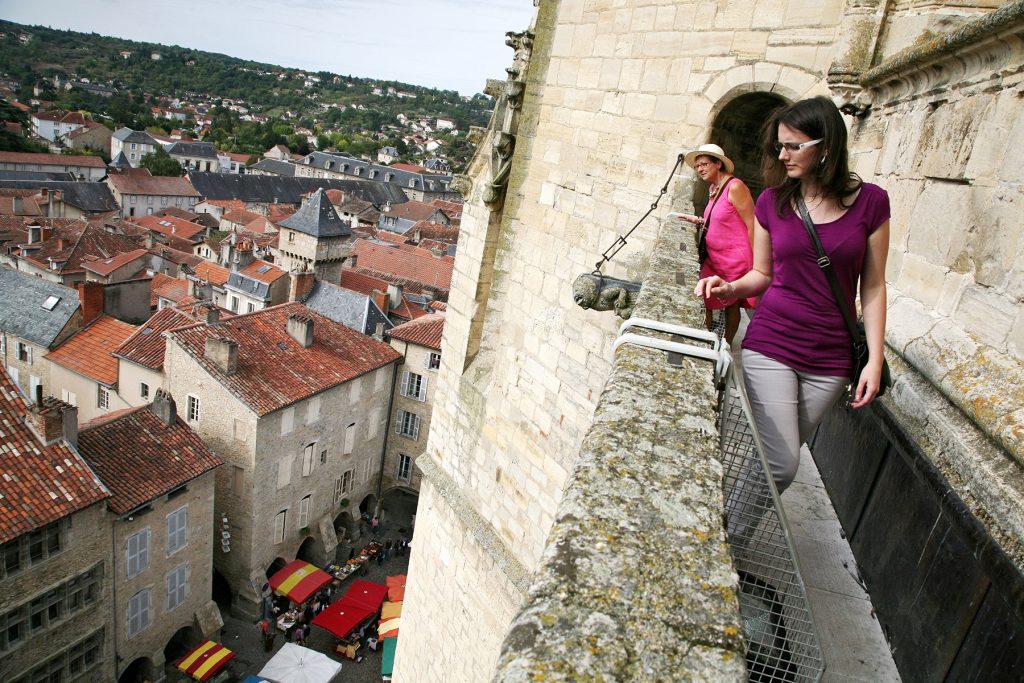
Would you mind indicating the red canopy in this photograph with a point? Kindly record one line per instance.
(365, 594)
(340, 618)
(205, 659)
(298, 580)
(396, 588)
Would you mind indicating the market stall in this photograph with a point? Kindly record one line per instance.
(365, 594)
(396, 587)
(298, 581)
(387, 662)
(340, 618)
(297, 664)
(204, 660)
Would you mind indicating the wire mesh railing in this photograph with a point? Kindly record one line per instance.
(782, 643)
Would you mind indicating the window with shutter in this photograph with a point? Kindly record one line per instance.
(177, 530)
(137, 553)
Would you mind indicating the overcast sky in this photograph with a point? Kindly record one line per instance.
(449, 44)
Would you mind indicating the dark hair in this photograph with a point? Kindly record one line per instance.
(817, 117)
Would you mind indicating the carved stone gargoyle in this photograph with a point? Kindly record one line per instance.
(602, 293)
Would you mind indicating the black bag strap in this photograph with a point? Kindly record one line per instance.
(718, 195)
(826, 266)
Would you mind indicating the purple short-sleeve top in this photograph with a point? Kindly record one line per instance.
(798, 321)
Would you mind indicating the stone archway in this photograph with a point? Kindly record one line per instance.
(220, 590)
(311, 551)
(184, 639)
(737, 129)
(345, 527)
(400, 504)
(139, 670)
(275, 566)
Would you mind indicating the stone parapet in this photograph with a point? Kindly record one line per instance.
(636, 581)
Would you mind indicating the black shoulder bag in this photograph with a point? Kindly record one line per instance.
(702, 232)
(856, 328)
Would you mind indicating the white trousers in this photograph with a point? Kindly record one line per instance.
(787, 407)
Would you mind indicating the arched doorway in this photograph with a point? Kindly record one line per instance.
(400, 504)
(275, 566)
(310, 551)
(138, 671)
(368, 507)
(221, 591)
(184, 639)
(737, 130)
(345, 527)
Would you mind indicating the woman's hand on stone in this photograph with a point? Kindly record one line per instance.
(712, 286)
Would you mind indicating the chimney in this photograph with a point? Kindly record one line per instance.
(149, 240)
(378, 333)
(51, 419)
(90, 297)
(394, 296)
(301, 285)
(244, 255)
(211, 314)
(163, 406)
(352, 260)
(300, 328)
(223, 353)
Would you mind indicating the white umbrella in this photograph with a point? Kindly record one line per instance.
(296, 664)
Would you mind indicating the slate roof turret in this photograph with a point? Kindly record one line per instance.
(318, 217)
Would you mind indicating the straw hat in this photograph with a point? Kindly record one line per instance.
(710, 150)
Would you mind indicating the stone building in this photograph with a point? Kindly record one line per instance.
(315, 238)
(295, 404)
(55, 579)
(160, 477)
(600, 101)
(35, 317)
(419, 342)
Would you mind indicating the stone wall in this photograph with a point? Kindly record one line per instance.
(398, 444)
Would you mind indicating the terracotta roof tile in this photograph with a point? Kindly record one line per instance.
(212, 273)
(263, 271)
(368, 284)
(274, 370)
(427, 269)
(413, 210)
(51, 159)
(38, 484)
(88, 351)
(146, 345)
(140, 457)
(109, 265)
(240, 216)
(425, 331)
(71, 244)
(171, 225)
(169, 288)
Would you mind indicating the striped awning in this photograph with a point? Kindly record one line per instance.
(299, 580)
(205, 660)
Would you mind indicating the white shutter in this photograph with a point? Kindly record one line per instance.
(398, 422)
(29, 348)
(415, 427)
(423, 388)
(405, 383)
(426, 361)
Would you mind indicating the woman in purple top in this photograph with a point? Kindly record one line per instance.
(797, 356)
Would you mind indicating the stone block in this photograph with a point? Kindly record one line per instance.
(769, 14)
(611, 72)
(947, 138)
(630, 74)
(750, 45)
(655, 76)
(561, 42)
(947, 346)
(589, 72)
(987, 315)
(813, 12)
(907, 321)
(583, 40)
(643, 19)
(938, 225)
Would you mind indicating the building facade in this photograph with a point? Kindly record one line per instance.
(295, 404)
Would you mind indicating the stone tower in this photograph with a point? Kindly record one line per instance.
(600, 100)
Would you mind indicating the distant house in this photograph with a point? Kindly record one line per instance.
(36, 316)
(135, 144)
(233, 162)
(69, 198)
(354, 310)
(278, 153)
(140, 194)
(386, 155)
(420, 186)
(59, 253)
(195, 156)
(51, 125)
(84, 371)
(92, 135)
(419, 342)
(401, 217)
(253, 284)
(83, 167)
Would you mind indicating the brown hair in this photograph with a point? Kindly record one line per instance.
(817, 117)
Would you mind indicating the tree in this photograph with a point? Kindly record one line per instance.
(161, 163)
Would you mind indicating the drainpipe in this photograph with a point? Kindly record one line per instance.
(113, 588)
(387, 434)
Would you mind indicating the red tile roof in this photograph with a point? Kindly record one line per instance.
(451, 209)
(227, 204)
(263, 271)
(137, 183)
(140, 457)
(51, 159)
(146, 346)
(412, 210)
(71, 244)
(166, 287)
(212, 273)
(171, 225)
(435, 231)
(109, 265)
(88, 351)
(60, 115)
(424, 269)
(367, 284)
(425, 331)
(273, 369)
(38, 484)
(89, 125)
(240, 216)
(412, 168)
(278, 212)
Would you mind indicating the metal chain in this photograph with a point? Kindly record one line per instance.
(619, 243)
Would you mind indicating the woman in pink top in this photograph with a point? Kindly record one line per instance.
(797, 356)
(729, 216)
